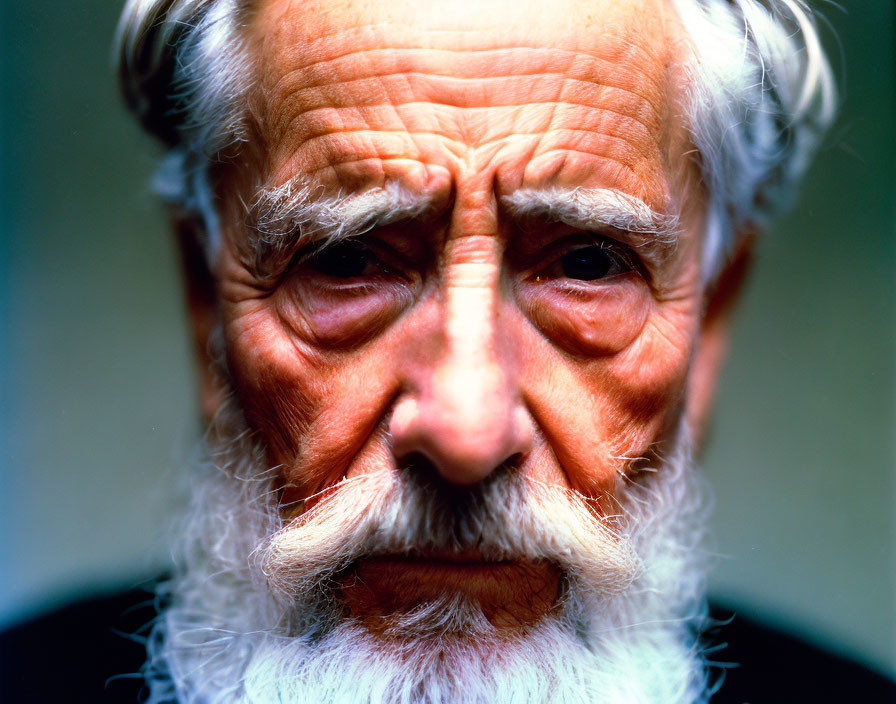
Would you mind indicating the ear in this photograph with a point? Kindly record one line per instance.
(713, 340)
(202, 307)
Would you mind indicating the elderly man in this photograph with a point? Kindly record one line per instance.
(459, 277)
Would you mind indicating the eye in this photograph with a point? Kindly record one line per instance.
(344, 260)
(590, 263)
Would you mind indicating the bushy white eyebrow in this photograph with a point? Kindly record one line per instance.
(653, 234)
(299, 213)
(592, 209)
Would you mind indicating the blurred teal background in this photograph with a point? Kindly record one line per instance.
(96, 409)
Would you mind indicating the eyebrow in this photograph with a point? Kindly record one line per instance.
(654, 234)
(288, 217)
(285, 218)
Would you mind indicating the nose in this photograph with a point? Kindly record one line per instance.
(464, 411)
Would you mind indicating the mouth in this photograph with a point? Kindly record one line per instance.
(511, 594)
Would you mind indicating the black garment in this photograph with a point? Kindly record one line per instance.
(87, 653)
(771, 667)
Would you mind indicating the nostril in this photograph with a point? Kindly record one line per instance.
(421, 466)
(426, 474)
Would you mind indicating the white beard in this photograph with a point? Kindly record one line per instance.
(253, 618)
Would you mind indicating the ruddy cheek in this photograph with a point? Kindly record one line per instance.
(343, 318)
(591, 321)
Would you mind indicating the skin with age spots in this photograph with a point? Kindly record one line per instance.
(470, 337)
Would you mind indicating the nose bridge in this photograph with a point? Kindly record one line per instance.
(473, 376)
(466, 416)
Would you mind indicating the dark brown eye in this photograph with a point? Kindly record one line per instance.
(343, 260)
(592, 262)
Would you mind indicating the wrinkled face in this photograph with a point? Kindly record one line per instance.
(475, 247)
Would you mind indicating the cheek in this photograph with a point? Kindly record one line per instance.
(591, 321)
(599, 413)
(315, 410)
(277, 379)
(644, 388)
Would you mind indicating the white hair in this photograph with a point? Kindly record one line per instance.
(760, 95)
(254, 616)
(185, 72)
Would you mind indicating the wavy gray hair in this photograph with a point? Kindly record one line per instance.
(761, 94)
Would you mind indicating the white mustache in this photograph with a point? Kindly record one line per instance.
(393, 512)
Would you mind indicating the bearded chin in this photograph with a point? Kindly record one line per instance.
(252, 614)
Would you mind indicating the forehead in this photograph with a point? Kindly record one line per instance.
(566, 90)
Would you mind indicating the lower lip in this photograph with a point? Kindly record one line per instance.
(511, 594)
(469, 567)
(432, 578)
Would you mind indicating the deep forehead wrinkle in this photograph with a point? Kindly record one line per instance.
(617, 37)
(618, 67)
(405, 53)
(409, 89)
(395, 69)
